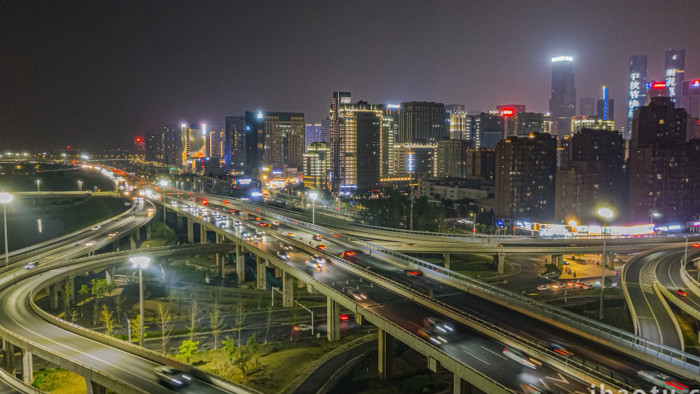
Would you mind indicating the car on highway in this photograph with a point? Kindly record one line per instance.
(663, 381)
(246, 236)
(521, 358)
(96, 228)
(91, 243)
(321, 247)
(282, 255)
(315, 264)
(110, 235)
(291, 234)
(356, 294)
(348, 255)
(542, 287)
(31, 265)
(336, 235)
(317, 237)
(438, 325)
(302, 327)
(431, 336)
(172, 377)
(413, 273)
(560, 349)
(682, 293)
(286, 246)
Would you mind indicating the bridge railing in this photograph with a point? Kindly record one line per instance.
(595, 328)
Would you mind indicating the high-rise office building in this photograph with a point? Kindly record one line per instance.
(415, 159)
(525, 123)
(457, 114)
(637, 89)
(422, 122)
(659, 124)
(586, 106)
(452, 158)
(172, 146)
(317, 165)
(562, 105)
(390, 129)
(525, 171)
(274, 139)
(217, 143)
(690, 97)
(359, 128)
(674, 71)
(509, 113)
(313, 133)
(339, 98)
(594, 176)
(484, 130)
(234, 150)
(605, 106)
(153, 145)
(481, 164)
(194, 146)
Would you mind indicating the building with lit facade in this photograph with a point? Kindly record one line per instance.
(217, 143)
(594, 176)
(451, 158)
(605, 106)
(525, 172)
(317, 165)
(274, 140)
(674, 67)
(509, 112)
(457, 114)
(421, 121)
(234, 141)
(389, 133)
(313, 133)
(525, 123)
(481, 164)
(412, 159)
(562, 104)
(339, 98)
(637, 95)
(359, 128)
(194, 146)
(579, 123)
(484, 130)
(153, 145)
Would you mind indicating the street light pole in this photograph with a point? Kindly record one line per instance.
(140, 262)
(605, 213)
(685, 253)
(313, 196)
(5, 198)
(37, 185)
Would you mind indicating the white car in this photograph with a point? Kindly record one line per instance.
(172, 377)
(303, 327)
(521, 358)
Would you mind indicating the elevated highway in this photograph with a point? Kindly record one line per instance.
(493, 306)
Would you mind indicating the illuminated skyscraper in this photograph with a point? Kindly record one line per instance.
(274, 139)
(674, 71)
(234, 151)
(637, 89)
(562, 105)
(339, 98)
(605, 107)
(458, 118)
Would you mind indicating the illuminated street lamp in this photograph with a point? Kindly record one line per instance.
(38, 181)
(652, 215)
(140, 262)
(5, 198)
(313, 196)
(607, 214)
(80, 186)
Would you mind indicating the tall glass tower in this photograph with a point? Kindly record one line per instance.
(637, 89)
(674, 71)
(562, 105)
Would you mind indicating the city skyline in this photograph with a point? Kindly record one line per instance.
(82, 72)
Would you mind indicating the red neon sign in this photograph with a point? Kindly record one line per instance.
(658, 85)
(507, 112)
(696, 83)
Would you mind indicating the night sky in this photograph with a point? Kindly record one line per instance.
(95, 74)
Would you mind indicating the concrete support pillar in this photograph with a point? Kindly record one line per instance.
(190, 230)
(501, 263)
(358, 318)
(53, 298)
(220, 261)
(447, 261)
(278, 272)
(460, 386)
(260, 273)
(385, 352)
(137, 235)
(332, 320)
(109, 274)
(202, 234)
(71, 286)
(240, 264)
(133, 240)
(8, 355)
(300, 284)
(27, 368)
(149, 228)
(287, 290)
(309, 288)
(94, 388)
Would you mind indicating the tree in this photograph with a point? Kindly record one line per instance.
(118, 303)
(194, 319)
(245, 358)
(240, 317)
(107, 319)
(67, 292)
(187, 349)
(216, 323)
(135, 325)
(165, 321)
